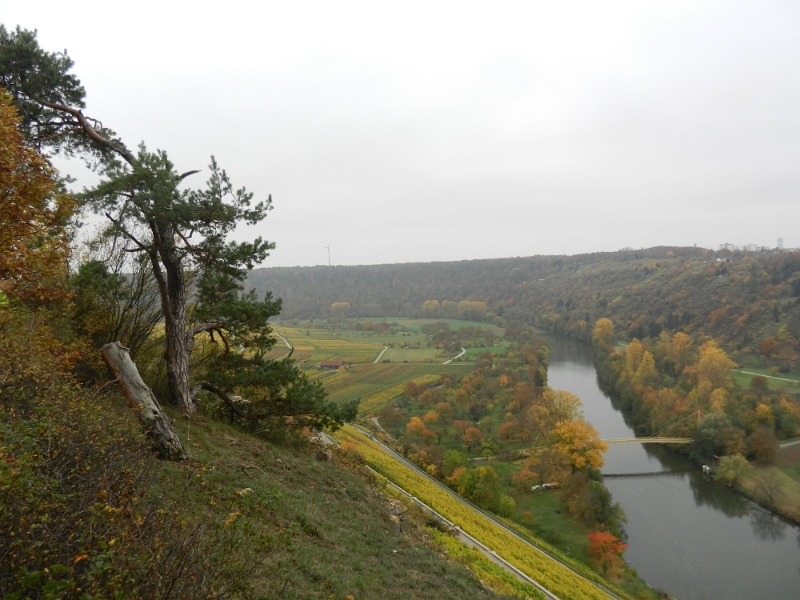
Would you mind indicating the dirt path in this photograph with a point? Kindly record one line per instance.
(288, 345)
(380, 427)
(385, 348)
(463, 352)
(770, 377)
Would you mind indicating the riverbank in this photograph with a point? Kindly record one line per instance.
(774, 487)
(686, 534)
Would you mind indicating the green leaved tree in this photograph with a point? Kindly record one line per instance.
(184, 235)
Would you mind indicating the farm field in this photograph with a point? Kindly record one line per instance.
(378, 399)
(547, 571)
(352, 343)
(416, 355)
(492, 349)
(363, 382)
(317, 345)
(379, 339)
(416, 324)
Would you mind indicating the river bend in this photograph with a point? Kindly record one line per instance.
(687, 535)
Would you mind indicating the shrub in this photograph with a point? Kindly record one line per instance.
(731, 469)
(81, 515)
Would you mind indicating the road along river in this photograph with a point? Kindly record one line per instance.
(686, 534)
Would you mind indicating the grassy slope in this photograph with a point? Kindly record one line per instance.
(777, 485)
(342, 541)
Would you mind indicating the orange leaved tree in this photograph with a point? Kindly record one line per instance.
(34, 244)
(607, 549)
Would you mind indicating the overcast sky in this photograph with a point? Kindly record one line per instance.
(405, 132)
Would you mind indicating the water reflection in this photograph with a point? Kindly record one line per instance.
(706, 492)
(766, 525)
(686, 534)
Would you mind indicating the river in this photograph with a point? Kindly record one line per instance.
(687, 535)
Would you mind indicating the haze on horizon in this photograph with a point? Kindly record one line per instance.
(417, 132)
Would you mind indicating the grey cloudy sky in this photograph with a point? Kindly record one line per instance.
(422, 131)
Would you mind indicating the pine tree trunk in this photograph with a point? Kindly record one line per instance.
(155, 422)
(177, 356)
(173, 303)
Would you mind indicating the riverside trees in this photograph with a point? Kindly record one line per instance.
(184, 235)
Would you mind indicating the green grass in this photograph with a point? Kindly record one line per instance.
(743, 379)
(550, 522)
(415, 355)
(491, 349)
(339, 538)
(255, 519)
(777, 485)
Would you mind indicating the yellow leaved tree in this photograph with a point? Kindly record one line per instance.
(581, 442)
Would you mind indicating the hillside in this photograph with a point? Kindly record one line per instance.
(88, 511)
(740, 299)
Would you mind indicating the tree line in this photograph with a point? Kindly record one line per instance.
(748, 302)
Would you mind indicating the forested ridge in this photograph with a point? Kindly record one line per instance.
(739, 299)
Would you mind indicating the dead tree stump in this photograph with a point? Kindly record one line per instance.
(155, 422)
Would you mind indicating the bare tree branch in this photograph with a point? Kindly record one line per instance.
(91, 131)
(127, 234)
(194, 331)
(187, 174)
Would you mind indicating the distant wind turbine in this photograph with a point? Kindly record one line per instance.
(328, 248)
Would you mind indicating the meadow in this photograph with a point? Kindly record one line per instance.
(777, 485)
(775, 380)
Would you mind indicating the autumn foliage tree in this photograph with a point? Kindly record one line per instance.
(714, 366)
(764, 444)
(607, 549)
(523, 479)
(581, 443)
(183, 234)
(34, 242)
(603, 332)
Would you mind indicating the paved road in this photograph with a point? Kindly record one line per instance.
(489, 516)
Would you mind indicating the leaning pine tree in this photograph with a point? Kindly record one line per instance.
(184, 233)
